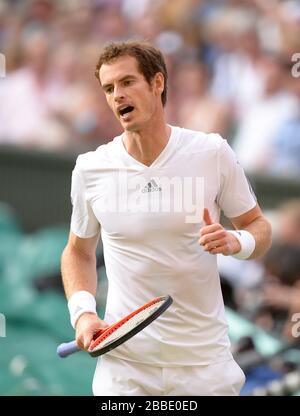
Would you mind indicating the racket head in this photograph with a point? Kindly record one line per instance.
(120, 332)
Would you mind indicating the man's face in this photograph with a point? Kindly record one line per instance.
(131, 98)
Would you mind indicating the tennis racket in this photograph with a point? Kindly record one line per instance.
(116, 334)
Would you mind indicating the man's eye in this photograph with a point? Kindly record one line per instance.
(127, 82)
(109, 90)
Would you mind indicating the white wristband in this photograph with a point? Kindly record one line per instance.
(79, 303)
(247, 242)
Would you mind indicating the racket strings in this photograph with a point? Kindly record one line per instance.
(122, 328)
(108, 331)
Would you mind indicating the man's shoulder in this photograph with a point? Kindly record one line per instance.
(199, 140)
(98, 157)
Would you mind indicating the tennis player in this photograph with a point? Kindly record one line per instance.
(139, 191)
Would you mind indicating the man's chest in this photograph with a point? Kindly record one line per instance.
(143, 200)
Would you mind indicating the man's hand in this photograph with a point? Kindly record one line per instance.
(215, 239)
(87, 326)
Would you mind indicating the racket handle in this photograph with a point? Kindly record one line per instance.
(67, 348)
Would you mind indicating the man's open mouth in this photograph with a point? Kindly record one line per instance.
(126, 110)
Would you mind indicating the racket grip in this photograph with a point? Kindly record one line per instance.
(67, 348)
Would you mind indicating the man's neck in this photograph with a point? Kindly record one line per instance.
(147, 144)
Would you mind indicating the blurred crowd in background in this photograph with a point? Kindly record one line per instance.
(230, 66)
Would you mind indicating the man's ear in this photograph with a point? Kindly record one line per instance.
(159, 82)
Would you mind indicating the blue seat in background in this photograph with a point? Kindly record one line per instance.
(10, 234)
(30, 366)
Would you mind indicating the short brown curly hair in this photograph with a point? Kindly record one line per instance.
(150, 59)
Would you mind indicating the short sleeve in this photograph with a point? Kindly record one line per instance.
(83, 221)
(235, 196)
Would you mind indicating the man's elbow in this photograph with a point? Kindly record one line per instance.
(268, 235)
(264, 239)
(75, 253)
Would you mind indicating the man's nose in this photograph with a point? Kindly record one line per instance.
(118, 94)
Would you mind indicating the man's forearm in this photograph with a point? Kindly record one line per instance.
(261, 230)
(78, 272)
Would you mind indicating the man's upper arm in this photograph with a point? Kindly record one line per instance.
(84, 246)
(247, 218)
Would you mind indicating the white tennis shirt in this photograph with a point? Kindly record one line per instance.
(150, 220)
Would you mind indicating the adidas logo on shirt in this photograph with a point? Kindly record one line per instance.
(151, 187)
